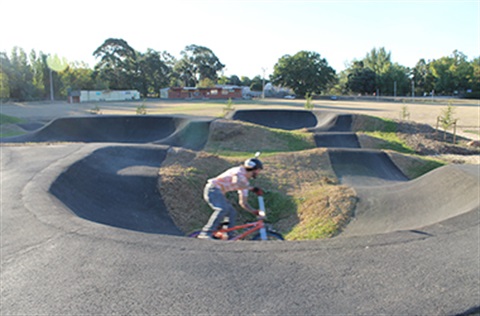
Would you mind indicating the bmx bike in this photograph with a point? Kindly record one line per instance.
(258, 230)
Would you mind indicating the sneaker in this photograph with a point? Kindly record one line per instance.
(205, 235)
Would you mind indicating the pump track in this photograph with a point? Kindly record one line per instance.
(84, 230)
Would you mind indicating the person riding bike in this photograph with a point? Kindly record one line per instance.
(233, 179)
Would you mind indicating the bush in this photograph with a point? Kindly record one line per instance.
(472, 95)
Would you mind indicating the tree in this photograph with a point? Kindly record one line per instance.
(117, 63)
(256, 84)
(396, 77)
(234, 80)
(41, 79)
(184, 74)
(305, 72)
(424, 81)
(361, 79)
(20, 75)
(452, 74)
(4, 86)
(77, 76)
(245, 81)
(153, 72)
(379, 61)
(198, 63)
(474, 82)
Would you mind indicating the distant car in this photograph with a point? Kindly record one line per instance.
(289, 97)
(333, 97)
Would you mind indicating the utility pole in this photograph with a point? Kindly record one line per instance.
(263, 82)
(56, 64)
(52, 98)
(412, 77)
(413, 89)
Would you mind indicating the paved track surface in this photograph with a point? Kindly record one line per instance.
(84, 233)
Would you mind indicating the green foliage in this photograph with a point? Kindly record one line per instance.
(153, 72)
(391, 142)
(6, 119)
(26, 76)
(206, 83)
(142, 109)
(452, 74)
(296, 141)
(405, 114)
(4, 86)
(96, 110)
(375, 73)
(446, 117)
(8, 127)
(386, 130)
(236, 138)
(378, 124)
(426, 165)
(229, 107)
(473, 95)
(469, 131)
(256, 84)
(199, 62)
(278, 205)
(117, 63)
(361, 79)
(305, 72)
(315, 228)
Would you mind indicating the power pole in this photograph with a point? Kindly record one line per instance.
(52, 98)
(263, 83)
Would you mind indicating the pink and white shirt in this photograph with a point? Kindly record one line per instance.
(234, 179)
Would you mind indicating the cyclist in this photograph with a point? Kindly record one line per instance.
(233, 179)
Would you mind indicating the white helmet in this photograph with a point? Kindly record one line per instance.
(253, 163)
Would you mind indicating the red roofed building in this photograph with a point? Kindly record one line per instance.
(220, 92)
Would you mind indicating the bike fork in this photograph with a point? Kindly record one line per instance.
(263, 230)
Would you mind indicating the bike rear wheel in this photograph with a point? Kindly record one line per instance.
(271, 235)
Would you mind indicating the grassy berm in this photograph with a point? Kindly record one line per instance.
(303, 197)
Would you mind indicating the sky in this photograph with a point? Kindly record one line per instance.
(248, 37)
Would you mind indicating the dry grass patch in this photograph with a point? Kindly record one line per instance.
(236, 136)
(303, 198)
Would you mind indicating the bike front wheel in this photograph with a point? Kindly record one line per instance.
(271, 235)
(194, 234)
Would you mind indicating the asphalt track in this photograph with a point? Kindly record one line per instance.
(84, 232)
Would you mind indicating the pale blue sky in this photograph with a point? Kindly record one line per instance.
(247, 35)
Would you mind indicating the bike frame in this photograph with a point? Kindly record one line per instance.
(254, 226)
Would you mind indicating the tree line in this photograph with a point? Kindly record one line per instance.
(33, 76)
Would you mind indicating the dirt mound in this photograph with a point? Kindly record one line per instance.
(303, 199)
(227, 135)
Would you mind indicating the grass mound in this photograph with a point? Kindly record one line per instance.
(303, 198)
(227, 137)
(8, 126)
